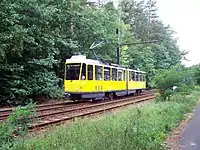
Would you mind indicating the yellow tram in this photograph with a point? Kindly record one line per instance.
(92, 79)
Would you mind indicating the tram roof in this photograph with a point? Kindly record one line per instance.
(83, 59)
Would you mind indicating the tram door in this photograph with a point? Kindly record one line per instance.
(127, 80)
(99, 79)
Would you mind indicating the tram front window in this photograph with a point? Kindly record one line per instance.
(72, 71)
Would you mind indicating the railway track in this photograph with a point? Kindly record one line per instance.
(59, 117)
(42, 108)
(57, 113)
(4, 113)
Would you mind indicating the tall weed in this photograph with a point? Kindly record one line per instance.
(16, 125)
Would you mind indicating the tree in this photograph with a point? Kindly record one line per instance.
(179, 76)
(36, 38)
(27, 50)
(146, 26)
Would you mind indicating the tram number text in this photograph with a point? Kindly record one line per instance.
(99, 88)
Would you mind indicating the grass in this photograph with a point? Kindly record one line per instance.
(133, 129)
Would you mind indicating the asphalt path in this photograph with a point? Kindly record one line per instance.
(190, 138)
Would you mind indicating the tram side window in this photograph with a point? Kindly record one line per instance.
(106, 73)
(83, 72)
(124, 79)
(90, 72)
(141, 77)
(98, 72)
(133, 76)
(130, 76)
(136, 76)
(114, 74)
(120, 75)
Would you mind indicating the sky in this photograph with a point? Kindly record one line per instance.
(183, 17)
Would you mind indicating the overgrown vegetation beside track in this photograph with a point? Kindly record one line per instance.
(182, 79)
(16, 125)
(145, 127)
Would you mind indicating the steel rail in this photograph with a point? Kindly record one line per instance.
(45, 107)
(117, 104)
(90, 106)
(40, 108)
(63, 106)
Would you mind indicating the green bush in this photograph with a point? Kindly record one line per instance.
(36, 83)
(178, 76)
(39, 83)
(16, 125)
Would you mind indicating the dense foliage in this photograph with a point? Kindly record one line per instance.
(176, 79)
(38, 35)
